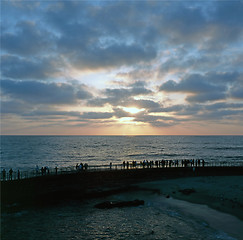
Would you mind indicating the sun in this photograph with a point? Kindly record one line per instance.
(133, 110)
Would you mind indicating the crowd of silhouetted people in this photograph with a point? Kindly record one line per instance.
(164, 163)
(125, 165)
(9, 176)
(82, 166)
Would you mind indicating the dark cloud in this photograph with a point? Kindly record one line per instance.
(112, 56)
(97, 36)
(15, 107)
(236, 90)
(92, 35)
(146, 104)
(237, 93)
(223, 105)
(156, 121)
(41, 93)
(28, 39)
(120, 113)
(51, 113)
(207, 87)
(96, 115)
(225, 24)
(120, 96)
(127, 92)
(183, 61)
(22, 68)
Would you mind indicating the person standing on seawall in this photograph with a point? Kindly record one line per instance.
(11, 174)
(4, 174)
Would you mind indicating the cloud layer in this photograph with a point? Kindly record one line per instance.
(83, 64)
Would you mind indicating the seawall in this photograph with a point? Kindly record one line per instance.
(46, 190)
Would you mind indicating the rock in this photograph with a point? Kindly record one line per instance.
(108, 204)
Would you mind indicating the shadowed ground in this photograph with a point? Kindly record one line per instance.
(46, 190)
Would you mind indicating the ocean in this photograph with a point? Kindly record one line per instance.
(157, 219)
(25, 152)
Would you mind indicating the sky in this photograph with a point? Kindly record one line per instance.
(121, 67)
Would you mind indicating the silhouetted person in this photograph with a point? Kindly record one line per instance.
(80, 166)
(18, 175)
(11, 174)
(198, 162)
(85, 166)
(37, 170)
(144, 163)
(56, 170)
(4, 174)
(42, 171)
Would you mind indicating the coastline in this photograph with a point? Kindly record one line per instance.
(217, 200)
(220, 188)
(213, 196)
(222, 193)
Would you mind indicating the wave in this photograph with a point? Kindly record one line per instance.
(234, 157)
(154, 155)
(226, 148)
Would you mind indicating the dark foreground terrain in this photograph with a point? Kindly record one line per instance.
(53, 189)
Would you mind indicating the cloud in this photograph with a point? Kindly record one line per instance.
(125, 50)
(208, 87)
(90, 39)
(146, 104)
(120, 113)
(112, 56)
(120, 96)
(96, 36)
(14, 107)
(22, 68)
(236, 90)
(42, 93)
(156, 121)
(223, 105)
(28, 39)
(96, 115)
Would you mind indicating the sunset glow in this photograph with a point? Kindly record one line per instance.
(133, 110)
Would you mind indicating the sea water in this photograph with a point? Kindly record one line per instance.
(25, 152)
